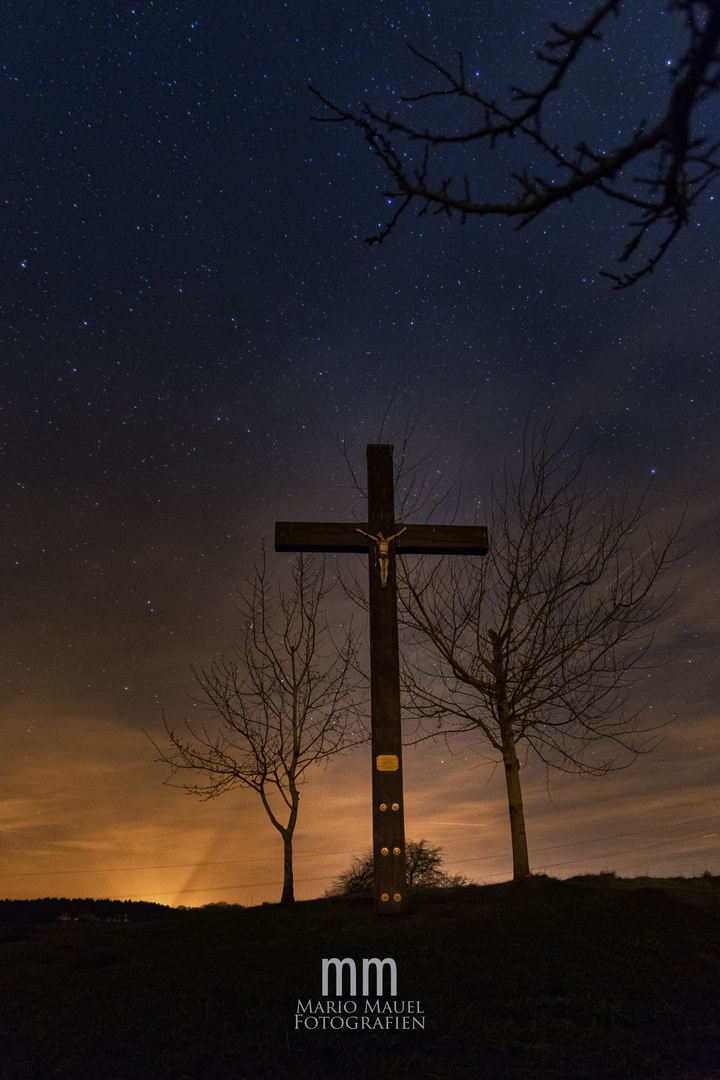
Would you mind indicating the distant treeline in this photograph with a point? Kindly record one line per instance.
(53, 908)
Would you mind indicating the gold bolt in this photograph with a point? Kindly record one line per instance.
(385, 897)
(396, 851)
(384, 851)
(396, 806)
(383, 806)
(397, 897)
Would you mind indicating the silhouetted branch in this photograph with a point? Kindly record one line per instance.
(681, 164)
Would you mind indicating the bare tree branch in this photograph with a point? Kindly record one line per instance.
(681, 164)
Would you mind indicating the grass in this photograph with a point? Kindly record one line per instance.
(597, 977)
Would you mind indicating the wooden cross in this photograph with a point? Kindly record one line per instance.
(383, 538)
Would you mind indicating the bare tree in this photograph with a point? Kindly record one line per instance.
(538, 643)
(681, 163)
(286, 698)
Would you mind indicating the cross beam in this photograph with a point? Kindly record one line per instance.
(382, 538)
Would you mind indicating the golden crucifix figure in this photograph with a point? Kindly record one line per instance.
(383, 552)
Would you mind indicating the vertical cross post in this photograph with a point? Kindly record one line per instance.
(387, 783)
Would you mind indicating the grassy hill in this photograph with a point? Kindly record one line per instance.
(593, 977)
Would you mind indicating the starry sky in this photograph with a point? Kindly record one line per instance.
(191, 322)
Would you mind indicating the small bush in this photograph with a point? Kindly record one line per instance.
(422, 868)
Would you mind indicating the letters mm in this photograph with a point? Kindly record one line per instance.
(339, 965)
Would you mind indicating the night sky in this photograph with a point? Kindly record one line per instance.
(191, 321)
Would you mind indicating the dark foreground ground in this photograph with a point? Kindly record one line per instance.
(590, 978)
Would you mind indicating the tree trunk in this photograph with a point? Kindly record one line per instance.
(521, 863)
(288, 893)
(287, 832)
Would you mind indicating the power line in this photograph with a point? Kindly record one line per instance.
(224, 888)
(176, 866)
(356, 852)
(597, 840)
